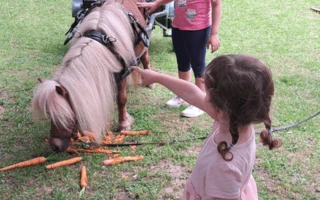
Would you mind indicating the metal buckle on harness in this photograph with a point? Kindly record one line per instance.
(144, 39)
(107, 39)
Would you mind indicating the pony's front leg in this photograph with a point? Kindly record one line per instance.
(124, 119)
(145, 60)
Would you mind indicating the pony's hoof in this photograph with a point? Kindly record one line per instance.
(126, 124)
(126, 128)
(151, 86)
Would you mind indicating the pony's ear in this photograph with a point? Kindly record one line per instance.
(40, 80)
(60, 90)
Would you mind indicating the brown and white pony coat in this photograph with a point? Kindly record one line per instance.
(82, 93)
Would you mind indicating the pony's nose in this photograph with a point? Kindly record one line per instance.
(58, 145)
(55, 148)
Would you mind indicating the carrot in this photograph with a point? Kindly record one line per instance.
(34, 161)
(84, 139)
(117, 160)
(73, 142)
(64, 163)
(107, 140)
(78, 134)
(135, 132)
(83, 180)
(89, 134)
(119, 139)
(83, 177)
(98, 150)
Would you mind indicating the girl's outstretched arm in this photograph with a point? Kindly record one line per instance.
(184, 89)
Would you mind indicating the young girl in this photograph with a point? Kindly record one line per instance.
(238, 94)
(195, 27)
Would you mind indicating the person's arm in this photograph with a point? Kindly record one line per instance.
(216, 11)
(184, 89)
(152, 6)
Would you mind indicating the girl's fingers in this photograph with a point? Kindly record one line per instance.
(138, 69)
(143, 5)
(151, 6)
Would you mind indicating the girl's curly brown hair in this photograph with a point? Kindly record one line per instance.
(241, 86)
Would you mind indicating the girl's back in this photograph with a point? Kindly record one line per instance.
(213, 176)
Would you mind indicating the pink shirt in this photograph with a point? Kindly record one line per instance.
(214, 177)
(192, 14)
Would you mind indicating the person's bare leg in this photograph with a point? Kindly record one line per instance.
(199, 83)
(185, 75)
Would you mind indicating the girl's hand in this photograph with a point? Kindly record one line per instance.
(214, 42)
(152, 6)
(147, 76)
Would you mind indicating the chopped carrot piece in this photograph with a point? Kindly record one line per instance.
(84, 138)
(119, 139)
(64, 163)
(107, 140)
(98, 150)
(83, 177)
(27, 163)
(89, 134)
(145, 132)
(117, 160)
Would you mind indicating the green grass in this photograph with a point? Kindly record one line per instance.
(284, 34)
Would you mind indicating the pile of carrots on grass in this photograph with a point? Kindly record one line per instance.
(88, 137)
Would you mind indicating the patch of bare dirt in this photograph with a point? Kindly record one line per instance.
(179, 175)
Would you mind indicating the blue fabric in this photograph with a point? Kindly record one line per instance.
(190, 49)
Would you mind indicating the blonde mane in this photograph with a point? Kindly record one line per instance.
(87, 73)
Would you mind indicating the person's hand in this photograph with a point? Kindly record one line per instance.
(147, 76)
(152, 6)
(213, 42)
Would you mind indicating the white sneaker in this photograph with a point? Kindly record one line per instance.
(175, 102)
(192, 111)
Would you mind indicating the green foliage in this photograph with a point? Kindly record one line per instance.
(284, 34)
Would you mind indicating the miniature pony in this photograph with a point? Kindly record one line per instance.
(82, 93)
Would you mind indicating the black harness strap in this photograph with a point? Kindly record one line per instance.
(108, 42)
(142, 35)
(80, 15)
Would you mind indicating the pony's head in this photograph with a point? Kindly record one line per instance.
(52, 101)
